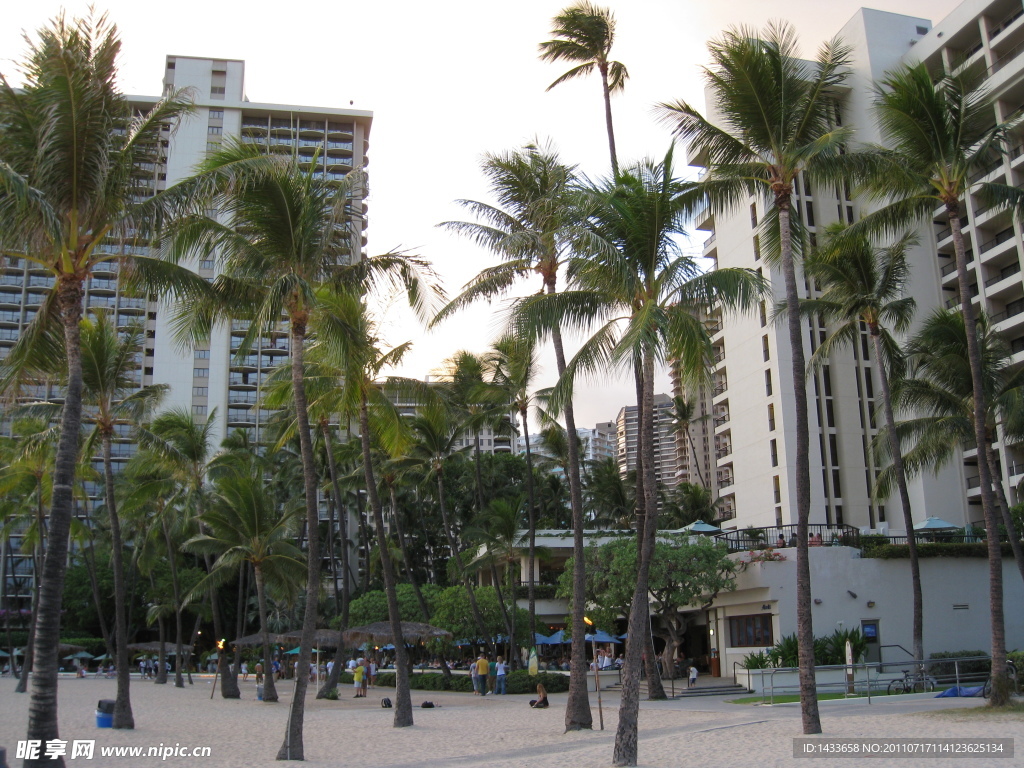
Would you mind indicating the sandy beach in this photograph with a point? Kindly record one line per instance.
(498, 731)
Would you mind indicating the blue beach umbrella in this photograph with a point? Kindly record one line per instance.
(601, 637)
(558, 638)
(539, 639)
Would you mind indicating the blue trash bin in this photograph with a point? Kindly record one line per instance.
(105, 713)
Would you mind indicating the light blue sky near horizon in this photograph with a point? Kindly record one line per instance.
(447, 82)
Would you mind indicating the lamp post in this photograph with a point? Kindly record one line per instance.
(597, 676)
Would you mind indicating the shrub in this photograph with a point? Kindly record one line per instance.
(331, 695)
(429, 681)
(521, 681)
(979, 667)
(928, 549)
(757, 660)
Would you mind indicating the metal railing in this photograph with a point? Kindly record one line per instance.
(873, 679)
(999, 239)
(1004, 273)
(819, 535)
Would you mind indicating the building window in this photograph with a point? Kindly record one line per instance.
(216, 114)
(214, 130)
(212, 146)
(773, 446)
(200, 391)
(768, 383)
(922, 30)
(764, 314)
(764, 349)
(757, 248)
(778, 516)
(750, 631)
(206, 264)
(199, 410)
(777, 488)
(753, 215)
(201, 354)
(810, 213)
(771, 418)
(201, 373)
(217, 90)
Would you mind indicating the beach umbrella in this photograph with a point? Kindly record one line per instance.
(558, 638)
(700, 527)
(104, 657)
(539, 639)
(322, 638)
(4, 655)
(380, 632)
(934, 524)
(601, 637)
(79, 655)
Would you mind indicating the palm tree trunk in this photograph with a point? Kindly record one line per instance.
(192, 644)
(403, 698)
(89, 555)
(531, 516)
(1004, 512)
(577, 709)
(292, 748)
(175, 587)
(608, 118)
(693, 454)
(901, 482)
(123, 717)
(269, 689)
(655, 688)
(1000, 690)
(42, 716)
(509, 627)
(626, 735)
(364, 535)
(332, 466)
(804, 628)
(477, 473)
(450, 535)
(27, 662)
(161, 656)
(409, 574)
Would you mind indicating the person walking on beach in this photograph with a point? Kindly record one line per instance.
(500, 678)
(475, 678)
(693, 676)
(245, 671)
(492, 677)
(373, 672)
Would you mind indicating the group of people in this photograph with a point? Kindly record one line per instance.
(606, 660)
(363, 675)
(489, 676)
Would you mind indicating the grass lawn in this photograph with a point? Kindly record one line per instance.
(791, 698)
(1016, 708)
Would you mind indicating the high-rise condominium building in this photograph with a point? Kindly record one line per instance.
(753, 395)
(327, 140)
(665, 466)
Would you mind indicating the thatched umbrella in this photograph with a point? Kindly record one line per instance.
(144, 647)
(251, 641)
(322, 638)
(380, 632)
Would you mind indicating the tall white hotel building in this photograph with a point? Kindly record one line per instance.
(753, 409)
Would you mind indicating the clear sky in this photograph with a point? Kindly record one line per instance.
(448, 81)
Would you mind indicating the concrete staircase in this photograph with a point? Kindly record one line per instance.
(682, 692)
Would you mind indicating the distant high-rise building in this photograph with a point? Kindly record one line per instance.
(665, 463)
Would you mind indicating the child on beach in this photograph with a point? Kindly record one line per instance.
(693, 677)
(357, 679)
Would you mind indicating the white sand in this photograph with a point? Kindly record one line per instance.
(497, 732)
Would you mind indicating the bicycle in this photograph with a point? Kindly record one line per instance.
(911, 683)
(1011, 675)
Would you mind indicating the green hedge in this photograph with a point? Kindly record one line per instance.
(900, 551)
(979, 667)
(519, 681)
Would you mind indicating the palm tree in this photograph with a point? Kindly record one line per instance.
(941, 133)
(246, 526)
(349, 336)
(70, 145)
(609, 497)
(939, 392)
(435, 434)
(532, 230)
(864, 286)
(684, 413)
(584, 34)
(689, 503)
(777, 122)
(184, 448)
(292, 232)
(647, 298)
(514, 369)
